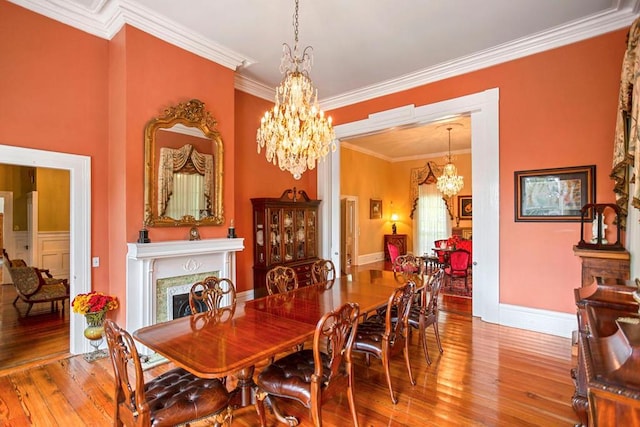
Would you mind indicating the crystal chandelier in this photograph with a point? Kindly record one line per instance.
(449, 183)
(295, 131)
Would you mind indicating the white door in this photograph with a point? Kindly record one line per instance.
(32, 228)
(348, 235)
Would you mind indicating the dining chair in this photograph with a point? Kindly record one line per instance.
(441, 254)
(381, 337)
(425, 314)
(458, 266)
(394, 252)
(281, 279)
(174, 397)
(313, 376)
(408, 267)
(213, 294)
(322, 271)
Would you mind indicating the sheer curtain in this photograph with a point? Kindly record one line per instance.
(188, 196)
(433, 219)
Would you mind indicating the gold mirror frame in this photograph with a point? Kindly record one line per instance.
(190, 114)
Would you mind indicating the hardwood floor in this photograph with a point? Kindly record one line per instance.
(41, 336)
(489, 375)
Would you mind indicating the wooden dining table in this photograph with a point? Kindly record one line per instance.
(210, 347)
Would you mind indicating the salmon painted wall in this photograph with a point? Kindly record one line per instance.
(255, 177)
(54, 97)
(144, 83)
(557, 108)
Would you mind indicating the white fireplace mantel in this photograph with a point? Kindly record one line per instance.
(148, 262)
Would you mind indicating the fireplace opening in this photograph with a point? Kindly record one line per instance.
(181, 306)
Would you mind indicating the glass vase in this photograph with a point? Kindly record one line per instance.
(95, 328)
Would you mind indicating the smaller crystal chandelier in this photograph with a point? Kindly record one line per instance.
(449, 183)
(295, 131)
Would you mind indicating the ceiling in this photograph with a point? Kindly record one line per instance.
(362, 49)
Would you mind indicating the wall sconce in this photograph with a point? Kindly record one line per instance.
(394, 218)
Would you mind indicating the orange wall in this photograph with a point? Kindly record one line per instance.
(65, 90)
(54, 96)
(256, 178)
(557, 108)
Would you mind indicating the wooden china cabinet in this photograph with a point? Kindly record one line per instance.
(285, 232)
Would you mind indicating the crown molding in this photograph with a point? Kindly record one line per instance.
(106, 18)
(255, 88)
(612, 20)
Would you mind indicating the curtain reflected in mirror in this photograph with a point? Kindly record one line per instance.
(183, 168)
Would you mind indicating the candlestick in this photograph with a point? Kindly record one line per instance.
(231, 233)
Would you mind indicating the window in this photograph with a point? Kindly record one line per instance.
(433, 219)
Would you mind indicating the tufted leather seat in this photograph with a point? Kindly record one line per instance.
(178, 396)
(298, 376)
(175, 397)
(381, 337)
(292, 375)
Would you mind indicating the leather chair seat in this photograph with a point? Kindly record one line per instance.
(178, 396)
(291, 376)
(369, 335)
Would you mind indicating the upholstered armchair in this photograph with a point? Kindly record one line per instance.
(32, 287)
(458, 266)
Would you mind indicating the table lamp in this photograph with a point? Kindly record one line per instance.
(394, 218)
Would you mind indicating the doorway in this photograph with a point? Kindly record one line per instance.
(483, 107)
(348, 233)
(79, 168)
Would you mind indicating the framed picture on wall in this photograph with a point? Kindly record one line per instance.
(465, 208)
(554, 194)
(375, 208)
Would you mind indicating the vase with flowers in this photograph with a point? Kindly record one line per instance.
(453, 242)
(94, 307)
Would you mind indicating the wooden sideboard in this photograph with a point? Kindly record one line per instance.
(607, 377)
(398, 240)
(603, 263)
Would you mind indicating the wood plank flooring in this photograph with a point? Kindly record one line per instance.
(489, 375)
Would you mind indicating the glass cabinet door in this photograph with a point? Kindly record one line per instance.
(311, 233)
(289, 237)
(301, 236)
(275, 238)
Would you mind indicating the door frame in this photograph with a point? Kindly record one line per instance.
(483, 107)
(79, 168)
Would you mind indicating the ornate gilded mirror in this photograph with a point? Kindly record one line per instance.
(183, 168)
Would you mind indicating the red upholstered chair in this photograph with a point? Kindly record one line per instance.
(458, 266)
(393, 252)
(442, 255)
(467, 245)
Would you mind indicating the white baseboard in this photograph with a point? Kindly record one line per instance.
(369, 258)
(533, 319)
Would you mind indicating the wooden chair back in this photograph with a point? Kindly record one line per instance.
(330, 359)
(409, 267)
(323, 271)
(213, 294)
(281, 279)
(174, 397)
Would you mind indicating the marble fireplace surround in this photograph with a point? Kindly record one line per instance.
(148, 262)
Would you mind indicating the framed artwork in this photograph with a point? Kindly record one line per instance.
(465, 208)
(375, 208)
(554, 194)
